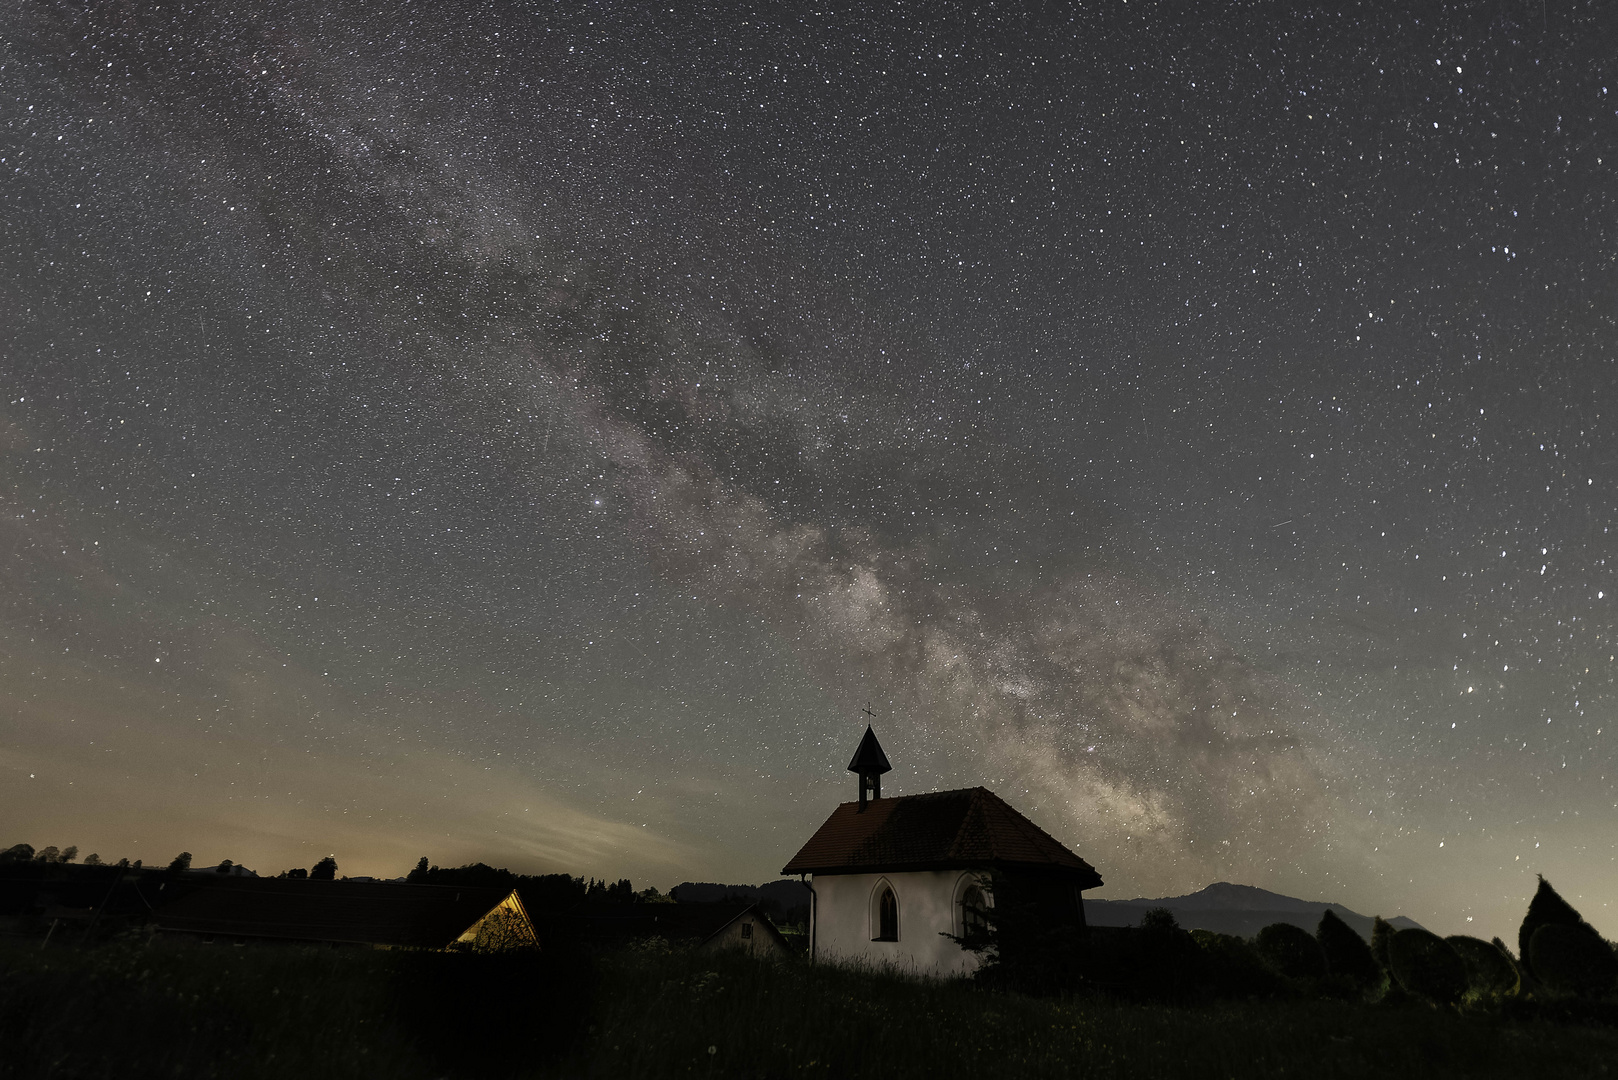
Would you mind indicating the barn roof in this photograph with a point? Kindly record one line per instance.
(971, 827)
(352, 912)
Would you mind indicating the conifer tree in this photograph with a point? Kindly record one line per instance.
(1546, 908)
(1573, 960)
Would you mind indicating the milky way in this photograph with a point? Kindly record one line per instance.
(535, 433)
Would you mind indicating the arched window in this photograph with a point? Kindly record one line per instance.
(972, 898)
(974, 912)
(887, 914)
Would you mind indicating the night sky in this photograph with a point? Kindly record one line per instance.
(534, 432)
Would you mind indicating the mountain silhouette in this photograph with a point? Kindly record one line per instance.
(1227, 908)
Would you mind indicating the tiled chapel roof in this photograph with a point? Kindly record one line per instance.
(971, 827)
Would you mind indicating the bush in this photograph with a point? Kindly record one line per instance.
(1291, 951)
(1159, 962)
(1230, 967)
(1489, 971)
(1347, 955)
(1170, 964)
(1425, 964)
(1573, 960)
(1545, 909)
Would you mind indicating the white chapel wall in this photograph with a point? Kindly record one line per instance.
(927, 910)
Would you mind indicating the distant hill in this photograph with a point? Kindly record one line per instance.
(1225, 908)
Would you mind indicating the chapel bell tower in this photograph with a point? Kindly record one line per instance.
(870, 763)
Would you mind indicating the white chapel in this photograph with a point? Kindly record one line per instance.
(891, 877)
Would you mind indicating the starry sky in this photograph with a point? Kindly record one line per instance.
(534, 432)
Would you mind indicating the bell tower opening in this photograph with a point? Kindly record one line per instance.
(870, 763)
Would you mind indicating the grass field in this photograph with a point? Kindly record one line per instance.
(128, 1010)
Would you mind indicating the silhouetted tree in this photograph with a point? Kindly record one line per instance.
(135, 865)
(620, 892)
(1291, 951)
(481, 875)
(1159, 920)
(1573, 960)
(419, 874)
(1489, 971)
(1169, 961)
(50, 854)
(224, 867)
(1547, 907)
(182, 861)
(1381, 931)
(70, 853)
(17, 853)
(1426, 965)
(324, 870)
(297, 873)
(1347, 955)
(92, 859)
(122, 864)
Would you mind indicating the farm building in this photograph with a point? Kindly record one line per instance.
(375, 914)
(749, 931)
(704, 927)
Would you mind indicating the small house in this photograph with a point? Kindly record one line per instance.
(749, 931)
(705, 927)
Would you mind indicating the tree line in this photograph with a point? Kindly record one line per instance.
(1558, 957)
(549, 890)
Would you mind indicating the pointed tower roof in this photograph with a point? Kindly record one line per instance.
(869, 760)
